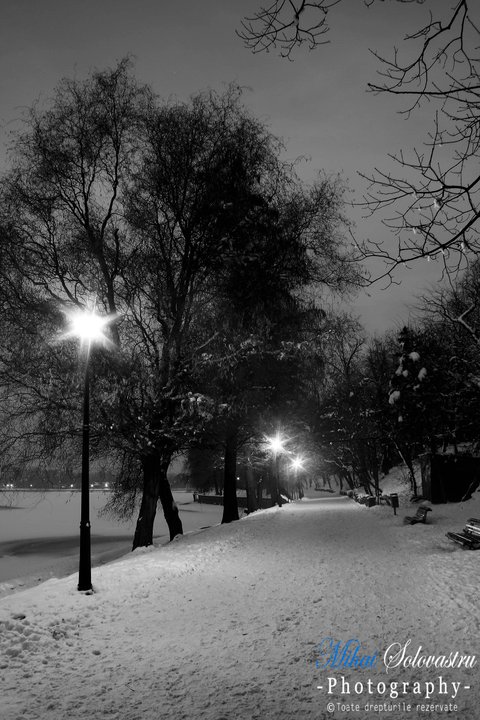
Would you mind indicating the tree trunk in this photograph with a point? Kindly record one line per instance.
(363, 468)
(373, 462)
(272, 484)
(230, 505)
(407, 459)
(251, 495)
(259, 492)
(156, 487)
(348, 477)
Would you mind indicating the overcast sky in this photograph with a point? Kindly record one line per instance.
(318, 103)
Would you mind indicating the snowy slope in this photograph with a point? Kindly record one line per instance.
(39, 533)
(226, 622)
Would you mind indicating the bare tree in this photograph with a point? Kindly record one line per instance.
(286, 24)
(142, 206)
(432, 202)
(457, 305)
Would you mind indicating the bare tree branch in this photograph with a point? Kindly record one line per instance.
(286, 24)
(432, 202)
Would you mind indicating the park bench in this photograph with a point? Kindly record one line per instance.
(419, 517)
(368, 500)
(470, 535)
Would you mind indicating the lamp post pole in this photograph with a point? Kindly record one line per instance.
(277, 473)
(297, 465)
(85, 564)
(89, 328)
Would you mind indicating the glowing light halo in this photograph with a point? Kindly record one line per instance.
(87, 326)
(297, 463)
(276, 444)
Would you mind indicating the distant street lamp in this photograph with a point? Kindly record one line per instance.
(276, 445)
(89, 328)
(297, 464)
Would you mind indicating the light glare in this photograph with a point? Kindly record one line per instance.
(275, 444)
(297, 463)
(88, 326)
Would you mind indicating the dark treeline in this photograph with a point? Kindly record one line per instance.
(181, 223)
(367, 404)
(417, 389)
(389, 399)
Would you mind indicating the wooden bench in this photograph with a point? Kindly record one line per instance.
(419, 517)
(470, 535)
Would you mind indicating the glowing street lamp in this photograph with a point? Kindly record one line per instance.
(89, 328)
(276, 444)
(297, 464)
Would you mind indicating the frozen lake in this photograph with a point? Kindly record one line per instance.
(39, 533)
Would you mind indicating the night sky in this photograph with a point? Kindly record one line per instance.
(318, 103)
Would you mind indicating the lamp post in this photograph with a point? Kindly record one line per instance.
(89, 328)
(276, 445)
(297, 464)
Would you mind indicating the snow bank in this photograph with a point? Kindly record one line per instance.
(39, 533)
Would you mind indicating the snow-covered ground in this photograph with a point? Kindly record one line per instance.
(39, 533)
(230, 623)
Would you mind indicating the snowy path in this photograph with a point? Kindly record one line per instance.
(226, 623)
